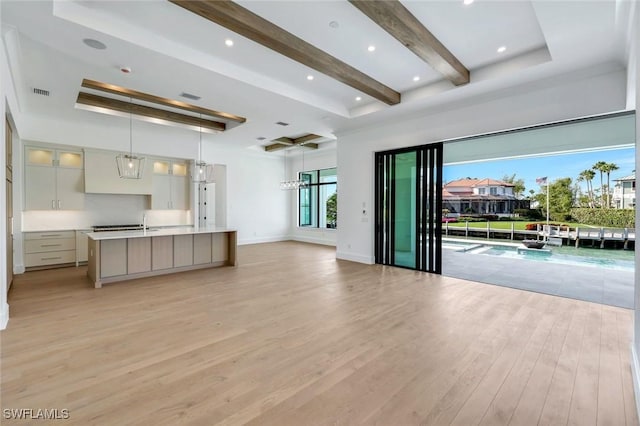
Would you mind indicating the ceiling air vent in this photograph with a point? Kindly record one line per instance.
(190, 96)
(40, 91)
(282, 123)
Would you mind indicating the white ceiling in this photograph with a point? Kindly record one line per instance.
(171, 50)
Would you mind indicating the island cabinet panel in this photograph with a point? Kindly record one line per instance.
(220, 247)
(138, 255)
(161, 253)
(120, 256)
(182, 250)
(113, 258)
(201, 249)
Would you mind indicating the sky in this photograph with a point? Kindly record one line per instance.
(553, 167)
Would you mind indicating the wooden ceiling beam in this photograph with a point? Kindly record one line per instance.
(398, 21)
(134, 94)
(284, 142)
(147, 111)
(302, 140)
(246, 23)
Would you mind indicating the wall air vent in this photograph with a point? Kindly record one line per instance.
(40, 91)
(190, 96)
(282, 123)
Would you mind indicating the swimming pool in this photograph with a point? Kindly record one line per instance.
(587, 257)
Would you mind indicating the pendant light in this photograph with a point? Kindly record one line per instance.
(296, 183)
(202, 172)
(129, 165)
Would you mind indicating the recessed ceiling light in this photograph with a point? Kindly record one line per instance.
(468, 2)
(261, 138)
(94, 43)
(502, 49)
(309, 77)
(334, 24)
(371, 48)
(228, 42)
(358, 98)
(416, 78)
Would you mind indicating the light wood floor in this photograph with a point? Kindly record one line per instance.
(294, 337)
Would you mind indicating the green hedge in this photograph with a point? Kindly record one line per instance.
(615, 218)
(471, 219)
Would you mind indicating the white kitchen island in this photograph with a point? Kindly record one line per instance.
(126, 255)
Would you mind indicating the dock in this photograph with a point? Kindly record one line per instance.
(559, 235)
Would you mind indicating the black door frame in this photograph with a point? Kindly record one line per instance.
(429, 163)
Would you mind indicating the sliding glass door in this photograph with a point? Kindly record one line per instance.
(408, 198)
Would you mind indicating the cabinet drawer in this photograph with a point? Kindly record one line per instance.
(50, 258)
(50, 234)
(49, 244)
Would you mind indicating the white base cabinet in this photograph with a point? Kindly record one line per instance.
(43, 249)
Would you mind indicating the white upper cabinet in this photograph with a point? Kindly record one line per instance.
(54, 179)
(170, 185)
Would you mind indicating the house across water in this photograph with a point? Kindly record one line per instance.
(481, 196)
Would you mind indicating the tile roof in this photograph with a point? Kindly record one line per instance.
(630, 177)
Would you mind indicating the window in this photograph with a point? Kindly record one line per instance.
(317, 202)
(493, 190)
(481, 191)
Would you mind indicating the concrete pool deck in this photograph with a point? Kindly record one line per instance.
(592, 284)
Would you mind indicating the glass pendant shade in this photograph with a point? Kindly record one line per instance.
(202, 172)
(130, 166)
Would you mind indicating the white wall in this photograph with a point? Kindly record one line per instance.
(256, 207)
(634, 82)
(546, 101)
(323, 158)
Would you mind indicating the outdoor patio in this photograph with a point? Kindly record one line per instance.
(592, 284)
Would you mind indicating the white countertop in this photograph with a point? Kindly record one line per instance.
(156, 232)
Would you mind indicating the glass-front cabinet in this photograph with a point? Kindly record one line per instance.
(170, 185)
(54, 179)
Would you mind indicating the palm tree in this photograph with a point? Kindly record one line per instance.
(587, 176)
(608, 168)
(600, 166)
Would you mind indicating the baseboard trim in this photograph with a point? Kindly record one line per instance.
(18, 269)
(263, 240)
(4, 316)
(368, 260)
(313, 241)
(635, 369)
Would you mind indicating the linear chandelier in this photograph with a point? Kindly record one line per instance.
(295, 183)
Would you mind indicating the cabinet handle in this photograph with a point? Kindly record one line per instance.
(49, 235)
(50, 258)
(50, 245)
